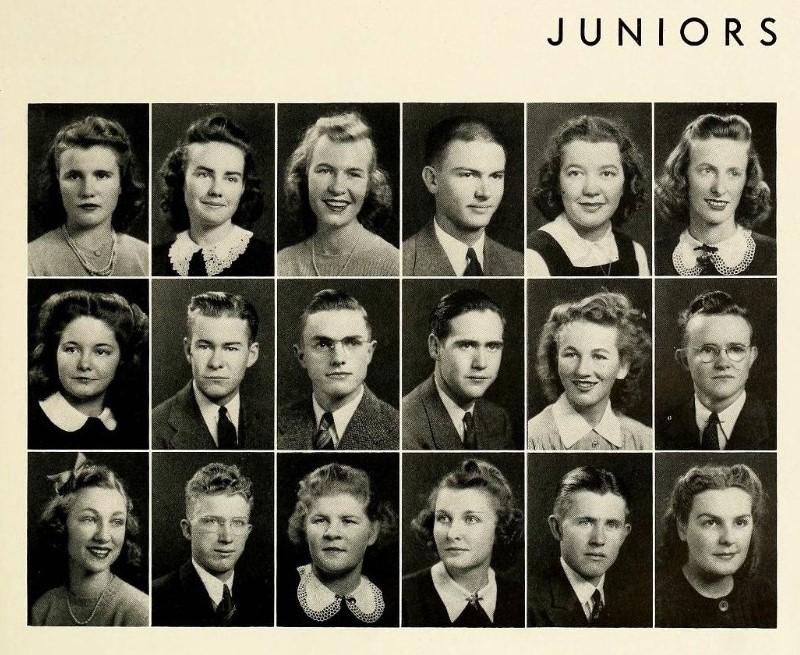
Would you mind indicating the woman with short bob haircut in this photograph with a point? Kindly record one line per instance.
(336, 190)
(707, 573)
(713, 185)
(592, 181)
(86, 371)
(210, 193)
(87, 529)
(89, 195)
(591, 357)
(337, 518)
(472, 524)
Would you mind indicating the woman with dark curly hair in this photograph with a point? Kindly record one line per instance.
(88, 360)
(337, 518)
(713, 183)
(336, 189)
(211, 192)
(90, 194)
(472, 523)
(707, 565)
(89, 525)
(591, 355)
(592, 181)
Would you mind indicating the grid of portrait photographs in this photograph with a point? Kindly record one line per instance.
(402, 365)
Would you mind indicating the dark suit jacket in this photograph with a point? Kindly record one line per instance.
(180, 599)
(178, 424)
(754, 429)
(374, 426)
(424, 255)
(427, 425)
(552, 602)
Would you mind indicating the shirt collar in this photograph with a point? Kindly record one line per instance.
(732, 251)
(217, 256)
(583, 588)
(456, 598)
(572, 427)
(455, 412)
(65, 416)
(727, 417)
(341, 417)
(210, 410)
(582, 252)
(456, 250)
(315, 597)
(214, 586)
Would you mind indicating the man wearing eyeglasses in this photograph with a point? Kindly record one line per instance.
(335, 347)
(717, 351)
(206, 590)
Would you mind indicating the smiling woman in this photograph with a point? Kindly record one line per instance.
(90, 346)
(89, 195)
(90, 526)
(336, 189)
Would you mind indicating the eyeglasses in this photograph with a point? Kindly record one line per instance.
(707, 353)
(348, 344)
(236, 526)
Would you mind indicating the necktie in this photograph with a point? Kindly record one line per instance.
(704, 258)
(226, 432)
(323, 439)
(197, 265)
(473, 265)
(710, 439)
(597, 606)
(470, 438)
(226, 608)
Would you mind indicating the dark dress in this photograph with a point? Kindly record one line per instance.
(558, 262)
(422, 606)
(751, 604)
(43, 434)
(290, 613)
(764, 260)
(257, 260)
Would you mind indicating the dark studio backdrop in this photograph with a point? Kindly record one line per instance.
(634, 565)
(46, 571)
(295, 119)
(380, 299)
(758, 296)
(543, 295)
(421, 474)
(380, 562)
(418, 204)
(670, 466)
(171, 371)
(134, 291)
(420, 297)
(170, 122)
(171, 472)
(44, 122)
(544, 119)
(672, 118)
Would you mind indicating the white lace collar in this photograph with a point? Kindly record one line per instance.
(321, 604)
(65, 416)
(731, 257)
(217, 257)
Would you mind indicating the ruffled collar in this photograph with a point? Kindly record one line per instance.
(65, 416)
(217, 257)
(321, 604)
(729, 257)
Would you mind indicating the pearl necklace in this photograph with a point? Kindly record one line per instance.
(96, 605)
(87, 265)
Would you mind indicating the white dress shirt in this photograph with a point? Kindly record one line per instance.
(341, 417)
(214, 586)
(572, 427)
(727, 419)
(455, 412)
(583, 588)
(456, 250)
(210, 411)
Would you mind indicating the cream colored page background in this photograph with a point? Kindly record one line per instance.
(378, 50)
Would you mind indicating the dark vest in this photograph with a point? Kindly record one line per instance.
(559, 264)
